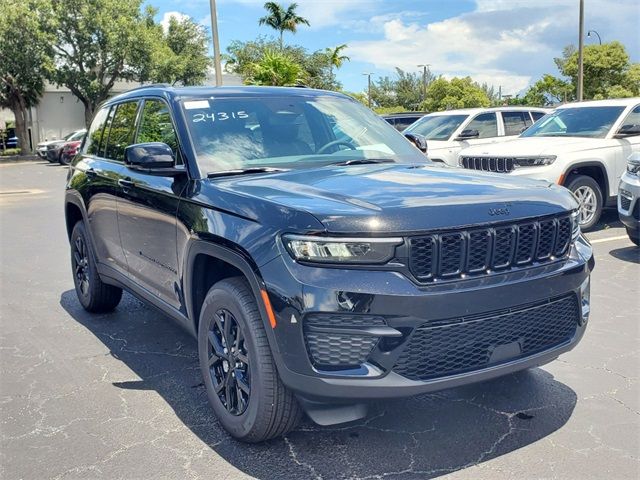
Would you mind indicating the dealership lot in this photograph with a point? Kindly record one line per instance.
(120, 395)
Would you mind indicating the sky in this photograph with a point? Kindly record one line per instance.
(505, 43)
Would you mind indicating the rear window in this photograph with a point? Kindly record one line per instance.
(121, 131)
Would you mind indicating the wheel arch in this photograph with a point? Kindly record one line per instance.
(74, 211)
(594, 169)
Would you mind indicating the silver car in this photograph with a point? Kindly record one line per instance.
(628, 195)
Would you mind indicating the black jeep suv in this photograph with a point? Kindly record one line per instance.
(318, 257)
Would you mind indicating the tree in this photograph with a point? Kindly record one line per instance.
(96, 43)
(336, 59)
(282, 20)
(23, 60)
(181, 54)
(443, 94)
(275, 68)
(549, 90)
(316, 69)
(405, 90)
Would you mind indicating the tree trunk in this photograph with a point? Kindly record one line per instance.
(20, 113)
(88, 113)
(281, 43)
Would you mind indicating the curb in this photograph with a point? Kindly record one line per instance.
(21, 158)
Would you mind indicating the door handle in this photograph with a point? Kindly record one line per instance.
(125, 183)
(90, 172)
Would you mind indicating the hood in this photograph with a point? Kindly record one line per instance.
(394, 198)
(48, 142)
(534, 146)
(437, 144)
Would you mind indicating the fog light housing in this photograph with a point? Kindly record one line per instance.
(585, 300)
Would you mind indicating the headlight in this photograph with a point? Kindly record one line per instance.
(575, 224)
(341, 250)
(633, 168)
(534, 161)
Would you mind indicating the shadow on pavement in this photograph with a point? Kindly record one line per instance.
(424, 436)
(628, 254)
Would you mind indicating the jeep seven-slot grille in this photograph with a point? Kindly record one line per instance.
(465, 344)
(475, 251)
(489, 164)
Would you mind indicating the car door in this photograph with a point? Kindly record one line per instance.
(515, 122)
(487, 126)
(97, 181)
(626, 145)
(147, 211)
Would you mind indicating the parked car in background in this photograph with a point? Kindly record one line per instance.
(320, 260)
(582, 146)
(400, 121)
(12, 142)
(70, 149)
(54, 148)
(447, 133)
(629, 198)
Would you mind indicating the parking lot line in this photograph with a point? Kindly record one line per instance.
(610, 239)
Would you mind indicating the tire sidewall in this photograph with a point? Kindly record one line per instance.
(239, 426)
(79, 230)
(585, 181)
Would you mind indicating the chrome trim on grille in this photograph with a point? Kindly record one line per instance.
(488, 164)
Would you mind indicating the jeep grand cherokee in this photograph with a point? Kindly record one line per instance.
(318, 257)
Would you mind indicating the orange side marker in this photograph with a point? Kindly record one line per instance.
(267, 305)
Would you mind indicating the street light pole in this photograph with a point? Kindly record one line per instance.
(368, 74)
(216, 43)
(581, 52)
(597, 35)
(424, 80)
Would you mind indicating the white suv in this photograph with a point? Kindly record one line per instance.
(449, 132)
(583, 146)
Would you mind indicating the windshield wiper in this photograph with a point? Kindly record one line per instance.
(364, 161)
(244, 171)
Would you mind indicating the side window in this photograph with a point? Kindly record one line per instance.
(486, 124)
(156, 126)
(515, 122)
(94, 136)
(121, 131)
(633, 118)
(537, 115)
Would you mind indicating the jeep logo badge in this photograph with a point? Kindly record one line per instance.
(498, 211)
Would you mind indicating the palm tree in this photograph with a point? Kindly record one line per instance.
(282, 20)
(335, 59)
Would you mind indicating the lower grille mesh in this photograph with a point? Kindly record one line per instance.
(465, 344)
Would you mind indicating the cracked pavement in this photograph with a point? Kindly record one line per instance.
(120, 396)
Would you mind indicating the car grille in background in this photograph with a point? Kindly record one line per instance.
(333, 349)
(465, 344)
(625, 201)
(470, 252)
(489, 164)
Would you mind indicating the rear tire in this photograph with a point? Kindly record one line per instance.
(634, 236)
(94, 295)
(242, 383)
(588, 193)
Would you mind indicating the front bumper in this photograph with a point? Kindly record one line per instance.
(300, 293)
(628, 201)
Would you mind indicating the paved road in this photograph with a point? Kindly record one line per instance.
(119, 395)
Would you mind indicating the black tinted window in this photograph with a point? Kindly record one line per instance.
(515, 122)
(486, 124)
(94, 136)
(537, 115)
(156, 125)
(633, 118)
(121, 131)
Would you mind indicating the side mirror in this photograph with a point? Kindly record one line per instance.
(467, 134)
(152, 157)
(627, 131)
(418, 140)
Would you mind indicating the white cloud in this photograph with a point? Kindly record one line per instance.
(167, 16)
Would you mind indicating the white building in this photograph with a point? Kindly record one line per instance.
(59, 112)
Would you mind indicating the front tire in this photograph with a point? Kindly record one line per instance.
(94, 295)
(240, 376)
(634, 236)
(589, 195)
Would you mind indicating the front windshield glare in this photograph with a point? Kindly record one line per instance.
(591, 122)
(437, 127)
(289, 132)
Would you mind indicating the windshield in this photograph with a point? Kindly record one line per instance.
(290, 132)
(590, 122)
(75, 136)
(437, 127)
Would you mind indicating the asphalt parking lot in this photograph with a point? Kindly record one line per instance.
(120, 396)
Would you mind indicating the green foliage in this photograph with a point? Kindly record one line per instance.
(316, 68)
(336, 59)
(443, 94)
(389, 110)
(23, 60)
(274, 68)
(404, 90)
(181, 53)
(281, 19)
(359, 96)
(549, 90)
(9, 152)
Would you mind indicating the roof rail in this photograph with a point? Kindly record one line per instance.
(151, 85)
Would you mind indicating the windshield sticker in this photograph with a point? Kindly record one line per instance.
(218, 116)
(193, 104)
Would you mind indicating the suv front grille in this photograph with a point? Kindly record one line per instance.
(488, 164)
(625, 200)
(475, 251)
(465, 344)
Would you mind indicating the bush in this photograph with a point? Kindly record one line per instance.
(389, 110)
(9, 152)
